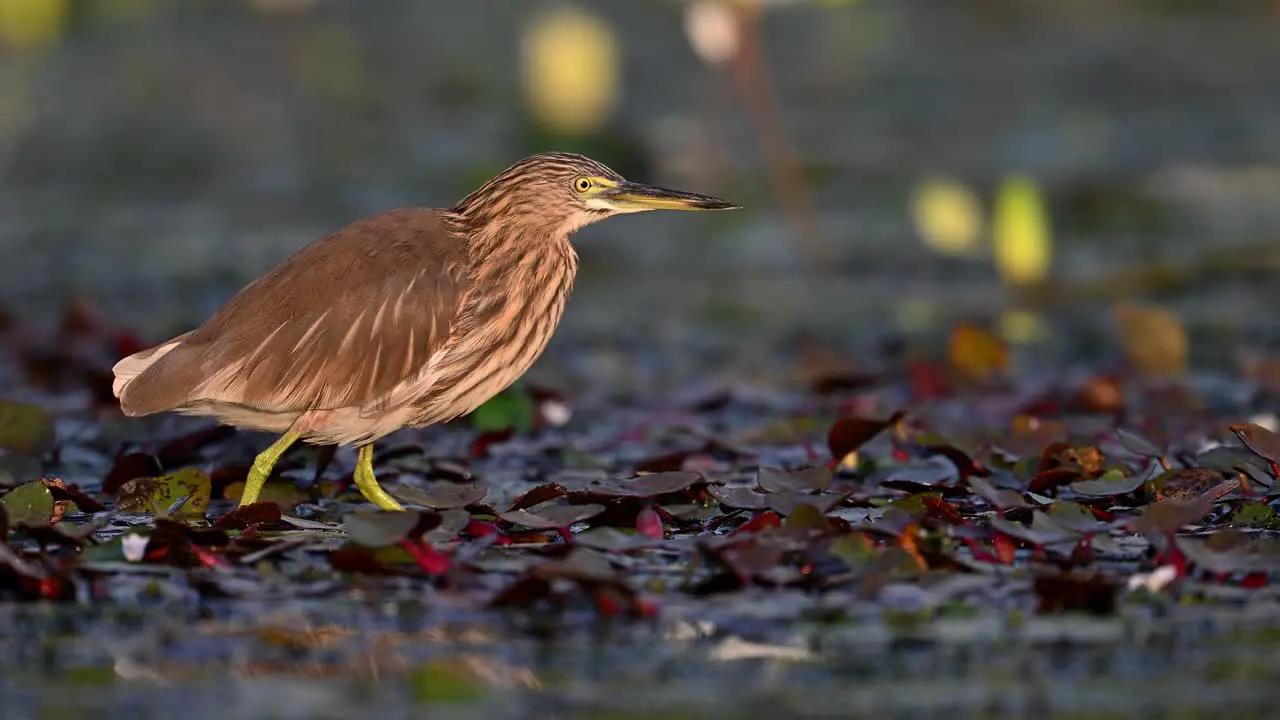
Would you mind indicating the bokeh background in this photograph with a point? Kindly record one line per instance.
(904, 164)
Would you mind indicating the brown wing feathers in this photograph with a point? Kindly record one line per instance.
(339, 324)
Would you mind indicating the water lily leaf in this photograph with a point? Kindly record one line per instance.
(379, 528)
(1228, 458)
(1171, 515)
(646, 486)
(774, 480)
(1043, 530)
(25, 429)
(1137, 444)
(1112, 482)
(29, 503)
(785, 503)
(439, 495)
(738, 497)
(850, 433)
(157, 495)
(1000, 498)
(261, 513)
(1263, 442)
(551, 517)
(452, 522)
(611, 539)
(512, 409)
(806, 516)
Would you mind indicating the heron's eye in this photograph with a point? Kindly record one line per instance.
(582, 184)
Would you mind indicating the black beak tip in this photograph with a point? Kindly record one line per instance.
(717, 204)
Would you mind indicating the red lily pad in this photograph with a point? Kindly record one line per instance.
(551, 517)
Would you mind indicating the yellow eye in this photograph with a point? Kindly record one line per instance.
(582, 184)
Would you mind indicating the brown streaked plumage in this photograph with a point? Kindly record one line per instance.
(402, 319)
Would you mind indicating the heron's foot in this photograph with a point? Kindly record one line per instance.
(262, 466)
(368, 484)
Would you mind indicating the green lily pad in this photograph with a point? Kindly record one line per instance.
(28, 503)
(157, 495)
(25, 429)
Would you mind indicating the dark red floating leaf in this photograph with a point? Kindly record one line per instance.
(538, 495)
(1089, 592)
(814, 479)
(1263, 442)
(848, 434)
(128, 467)
(260, 513)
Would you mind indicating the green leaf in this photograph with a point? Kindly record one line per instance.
(29, 503)
(510, 409)
(1257, 515)
(25, 429)
(1112, 482)
(157, 495)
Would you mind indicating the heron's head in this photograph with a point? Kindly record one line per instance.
(561, 192)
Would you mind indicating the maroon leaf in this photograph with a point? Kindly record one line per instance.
(848, 434)
(260, 513)
(1167, 516)
(538, 495)
(130, 466)
(1263, 442)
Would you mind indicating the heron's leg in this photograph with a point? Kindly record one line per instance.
(262, 466)
(368, 484)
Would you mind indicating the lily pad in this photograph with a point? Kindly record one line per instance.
(738, 497)
(439, 495)
(1265, 443)
(28, 504)
(646, 486)
(157, 495)
(1112, 482)
(551, 517)
(25, 429)
(1043, 530)
(379, 528)
(807, 480)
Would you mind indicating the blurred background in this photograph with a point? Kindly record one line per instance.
(905, 165)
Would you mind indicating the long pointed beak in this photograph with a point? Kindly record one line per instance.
(633, 197)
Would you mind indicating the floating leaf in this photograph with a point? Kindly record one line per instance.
(551, 517)
(1111, 483)
(1261, 441)
(738, 497)
(1043, 530)
(260, 513)
(814, 479)
(805, 516)
(850, 433)
(379, 528)
(649, 524)
(1166, 516)
(25, 429)
(29, 503)
(1137, 444)
(1001, 498)
(439, 495)
(647, 486)
(157, 495)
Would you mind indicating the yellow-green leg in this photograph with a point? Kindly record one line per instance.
(262, 465)
(368, 484)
